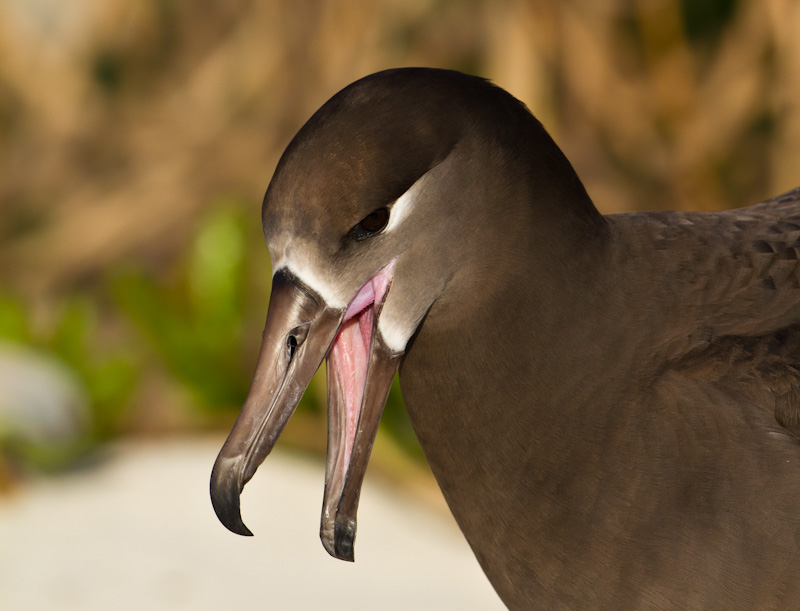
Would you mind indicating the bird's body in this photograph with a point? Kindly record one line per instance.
(649, 468)
(609, 404)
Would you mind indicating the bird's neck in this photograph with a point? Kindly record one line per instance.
(506, 393)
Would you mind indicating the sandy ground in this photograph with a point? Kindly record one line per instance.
(138, 532)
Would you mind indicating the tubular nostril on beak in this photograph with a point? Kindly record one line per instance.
(295, 339)
(291, 346)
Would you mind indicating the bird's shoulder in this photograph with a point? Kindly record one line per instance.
(733, 278)
(763, 371)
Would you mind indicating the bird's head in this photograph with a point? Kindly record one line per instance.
(379, 209)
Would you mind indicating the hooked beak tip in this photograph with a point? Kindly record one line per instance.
(342, 545)
(225, 493)
(344, 542)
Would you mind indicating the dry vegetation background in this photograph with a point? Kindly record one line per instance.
(137, 138)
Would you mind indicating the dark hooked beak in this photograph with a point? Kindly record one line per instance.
(299, 333)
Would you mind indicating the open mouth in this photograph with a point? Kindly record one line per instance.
(348, 368)
(360, 368)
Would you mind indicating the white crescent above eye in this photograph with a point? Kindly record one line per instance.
(402, 206)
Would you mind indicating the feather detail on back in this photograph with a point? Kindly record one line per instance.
(735, 284)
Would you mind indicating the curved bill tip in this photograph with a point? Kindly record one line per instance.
(342, 545)
(225, 493)
(344, 540)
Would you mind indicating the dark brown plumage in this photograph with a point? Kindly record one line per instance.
(609, 403)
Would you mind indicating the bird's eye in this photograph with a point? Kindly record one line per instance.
(374, 222)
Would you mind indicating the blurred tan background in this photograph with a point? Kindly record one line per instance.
(137, 139)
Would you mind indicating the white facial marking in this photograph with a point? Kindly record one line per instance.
(314, 279)
(395, 333)
(402, 206)
(393, 324)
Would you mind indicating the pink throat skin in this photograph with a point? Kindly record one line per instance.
(349, 354)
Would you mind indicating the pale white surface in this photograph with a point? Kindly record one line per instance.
(139, 533)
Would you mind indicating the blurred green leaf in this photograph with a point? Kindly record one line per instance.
(14, 320)
(216, 267)
(107, 375)
(72, 332)
(196, 323)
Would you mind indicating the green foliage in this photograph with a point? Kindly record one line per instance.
(108, 377)
(14, 321)
(195, 321)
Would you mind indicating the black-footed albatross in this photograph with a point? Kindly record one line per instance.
(609, 403)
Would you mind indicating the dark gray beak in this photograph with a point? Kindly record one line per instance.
(299, 332)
